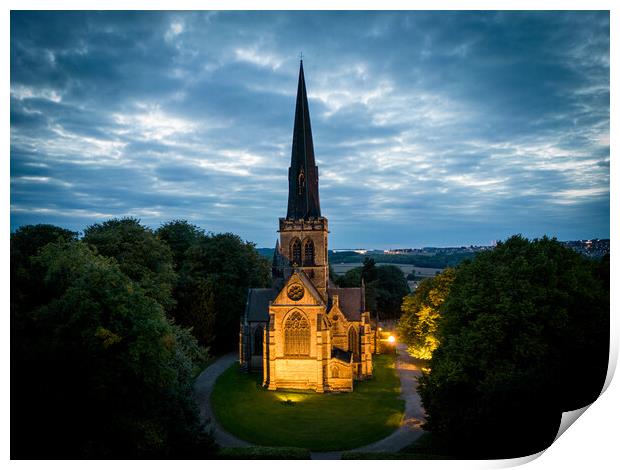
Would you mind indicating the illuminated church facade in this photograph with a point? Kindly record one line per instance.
(304, 332)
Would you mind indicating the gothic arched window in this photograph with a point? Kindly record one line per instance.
(258, 341)
(296, 252)
(335, 372)
(308, 252)
(353, 341)
(296, 335)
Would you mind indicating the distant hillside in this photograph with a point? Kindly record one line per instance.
(440, 258)
(266, 252)
(437, 260)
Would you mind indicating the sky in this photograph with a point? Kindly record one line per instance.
(430, 128)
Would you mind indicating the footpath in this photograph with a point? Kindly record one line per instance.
(408, 432)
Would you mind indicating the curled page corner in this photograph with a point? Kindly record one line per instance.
(568, 418)
(514, 462)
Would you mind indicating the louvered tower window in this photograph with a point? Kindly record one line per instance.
(296, 335)
(308, 253)
(296, 252)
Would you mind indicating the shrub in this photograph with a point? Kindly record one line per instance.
(264, 453)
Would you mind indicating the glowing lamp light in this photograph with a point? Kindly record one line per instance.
(391, 339)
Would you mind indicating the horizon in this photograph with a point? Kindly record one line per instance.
(431, 129)
(80, 232)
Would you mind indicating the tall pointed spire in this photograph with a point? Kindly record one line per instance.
(303, 174)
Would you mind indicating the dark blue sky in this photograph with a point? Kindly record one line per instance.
(430, 128)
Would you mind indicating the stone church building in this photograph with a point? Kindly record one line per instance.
(304, 332)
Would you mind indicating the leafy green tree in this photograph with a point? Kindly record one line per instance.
(100, 372)
(385, 286)
(29, 239)
(524, 335)
(143, 257)
(390, 286)
(212, 290)
(369, 270)
(352, 278)
(421, 314)
(26, 289)
(179, 235)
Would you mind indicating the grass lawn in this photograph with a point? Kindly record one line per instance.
(319, 422)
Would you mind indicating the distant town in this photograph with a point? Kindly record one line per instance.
(595, 248)
(428, 261)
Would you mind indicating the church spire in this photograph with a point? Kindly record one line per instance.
(303, 174)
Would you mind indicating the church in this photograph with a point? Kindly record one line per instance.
(304, 332)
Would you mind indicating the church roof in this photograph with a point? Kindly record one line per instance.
(303, 174)
(257, 306)
(350, 301)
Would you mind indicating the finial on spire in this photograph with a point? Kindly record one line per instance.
(301, 56)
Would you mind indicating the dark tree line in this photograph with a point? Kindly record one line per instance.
(214, 274)
(523, 336)
(435, 260)
(109, 331)
(385, 286)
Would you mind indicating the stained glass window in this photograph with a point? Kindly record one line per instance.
(296, 335)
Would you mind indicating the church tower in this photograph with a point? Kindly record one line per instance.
(303, 232)
(304, 333)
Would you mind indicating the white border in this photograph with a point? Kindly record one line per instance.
(589, 444)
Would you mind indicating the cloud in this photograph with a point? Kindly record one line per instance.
(176, 28)
(429, 127)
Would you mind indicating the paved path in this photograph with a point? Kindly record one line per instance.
(406, 434)
(410, 429)
(202, 390)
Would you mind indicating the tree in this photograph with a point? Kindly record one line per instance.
(28, 240)
(179, 235)
(352, 278)
(100, 372)
(421, 314)
(385, 286)
(369, 270)
(26, 289)
(212, 290)
(524, 335)
(389, 288)
(140, 254)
